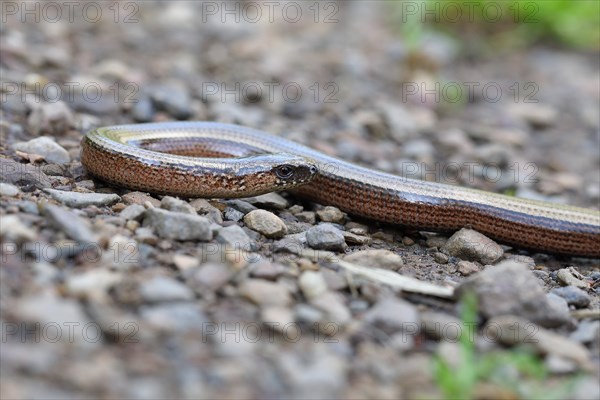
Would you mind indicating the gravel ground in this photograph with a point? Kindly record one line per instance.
(109, 293)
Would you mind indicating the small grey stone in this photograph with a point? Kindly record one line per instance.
(440, 258)
(587, 332)
(573, 295)
(567, 277)
(265, 223)
(357, 240)
(29, 207)
(178, 226)
(277, 318)
(331, 214)
(325, 237)
(231, 214)
(467, 268)
(80, 285)
(162, 288)
(473, 246)
(143, 110)
(133, 211)
(203, 207)
(48, 308)
(46, 147)
(235, 237)
(175, 317)
(241, 205)
(392, 314)
(306, 216)
(13, 230)
(211, 276)
(439, 325)
(513, 330)
(265, 293)
(334, 306)
(26, 176)
(6, 189)
(177, 205)
(510, 288)
(560, 365)
(270, 200)
(312, 284)
(379, 258)
(173, 99)
(80, 200)
(65, 220)
(558, 304)
(307, 313)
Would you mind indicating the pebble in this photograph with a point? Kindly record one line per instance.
(473, 246)
(140, 198)
(467, 268)
(391, 314)
(6, 189)
(133, 212)
(89, 282)
(210, 276)
(567, 277)
(356, 240)
(13, 230)
(175, 317)
(277, 318)
(265, 223)
(379, 258)
(231, 214)
(440, 258)
(537, 114)
(331, 214)
(334, 306)
(306, 216)
(178, 226)
(203, 207)
(122, 254)
(241, 205)
(46, 147)
(509, 288)
(162, 289)
(335, 280)
(573, 295)
(143, 109)
(326, 237)
(177, 205)
(558, 303)
(235, 237)
(307, 313)
(265, 269)
(587, 331)
(441, 326)
(48, 308)
(272, 200)
(173, 99)
(265, 293)
(81, 200)
(26, 176)
(512, 330)
(184, 262)
(73, 226)
(312, 284)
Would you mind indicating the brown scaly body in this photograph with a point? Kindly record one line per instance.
(152, 157)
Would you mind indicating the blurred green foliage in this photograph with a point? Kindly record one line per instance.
(503, 23)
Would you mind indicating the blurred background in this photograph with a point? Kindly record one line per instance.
(499, 95)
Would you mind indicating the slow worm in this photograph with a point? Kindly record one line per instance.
(239, 162)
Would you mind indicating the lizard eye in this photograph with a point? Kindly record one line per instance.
(284, 171)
